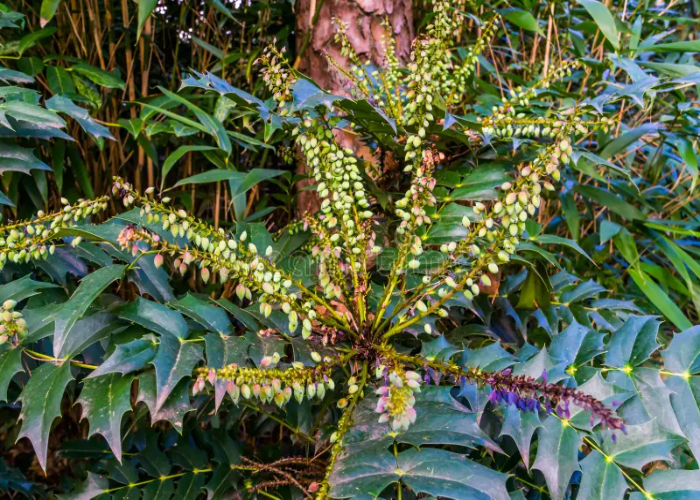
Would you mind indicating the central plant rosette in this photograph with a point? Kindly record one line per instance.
(346, 310)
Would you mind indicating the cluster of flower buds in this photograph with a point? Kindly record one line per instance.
(411, 208)
(463, 72)
(217, 253)
(13, 326)
(358, 70)
(429, 72)
(287, 154)
(269, 384)
(277, 76)
(396, 399)
(339, 183)
(521, 97)
(23, 241)
(391, 74)
(540, 127)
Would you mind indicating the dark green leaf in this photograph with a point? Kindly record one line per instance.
(65, 105)
(99, 76)
(90, 287)
(155, 317)
(557, 456)
(523, 19)
(41, 404)
(104, 401)
(59, 80)
(174, 361)
(449, 475)
(23, 288)
(206, 314)
(145, 9)
(520, 426)
(642, 444)
(128, 357)
(175, 406)
(10, 365)
(94, 486)
(190, 486)
(671, 485)
(30, 39)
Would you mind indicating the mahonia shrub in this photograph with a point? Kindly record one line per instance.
(349, 334)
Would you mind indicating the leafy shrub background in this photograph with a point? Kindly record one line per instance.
(603, 282)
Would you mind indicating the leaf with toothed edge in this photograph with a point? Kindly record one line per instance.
(70, 311)
(104, 401)
(521, 427)
(10, 365)
(41, 404)
(95, 485)
(557, 456)
(175, 406)
(601, 479)
(174, 361)
(223, 351)
(156, 317)
(128, 357)
(23, 288)
(205, 313)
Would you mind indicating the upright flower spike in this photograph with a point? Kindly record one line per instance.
(466, 69)
(343, 225)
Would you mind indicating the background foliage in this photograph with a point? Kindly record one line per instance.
(602, 289)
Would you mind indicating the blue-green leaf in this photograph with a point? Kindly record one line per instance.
(557, 456)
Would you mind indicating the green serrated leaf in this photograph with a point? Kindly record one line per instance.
(520, 426)
(175, 405)
(642, 444)
(128, 357)
(601, 479)
(23, 288)
(634, 342)
(155, 317)
(174, 361)
(557, 457)
(41, 404)
(206, 314)
(90, 287)
(450, 475)
(671, 485)
(159, 490)
(93, 486)
(104, 401)
(10, 365)
(190, 486)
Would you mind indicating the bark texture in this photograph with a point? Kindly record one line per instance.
(364, 20)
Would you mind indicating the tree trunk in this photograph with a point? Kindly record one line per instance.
(315, 30)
